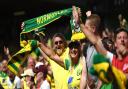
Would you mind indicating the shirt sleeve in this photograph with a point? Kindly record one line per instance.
(18, 83)
(45, 85)
(109, 55)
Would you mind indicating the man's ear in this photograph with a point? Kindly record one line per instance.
(115, 44)
(94, 29)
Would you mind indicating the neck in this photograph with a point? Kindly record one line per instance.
(120, 57)
(39, 83)
(75, 61)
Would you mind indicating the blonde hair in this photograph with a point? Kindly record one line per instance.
(95, 20)
(60, 36)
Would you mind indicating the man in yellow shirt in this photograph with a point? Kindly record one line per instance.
(60, 75)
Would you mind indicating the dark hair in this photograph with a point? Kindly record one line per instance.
(106, 41)
(118, 30)
(61, 36)
(43, 69)
(75, 44)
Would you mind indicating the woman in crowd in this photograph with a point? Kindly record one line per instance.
(27, 81)
(75, 65)
(41, 77)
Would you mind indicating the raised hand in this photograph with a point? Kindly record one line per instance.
(75, 14)
(88, 13)
(79, 12)
(22, 25)
(6, 50)
(7, 53)
(122, 50)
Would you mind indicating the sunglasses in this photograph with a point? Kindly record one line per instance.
(58, 42)
(75, 45)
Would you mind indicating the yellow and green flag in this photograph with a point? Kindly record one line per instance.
(41, 21)
(17, 59)
(77, 34)
(33, 26)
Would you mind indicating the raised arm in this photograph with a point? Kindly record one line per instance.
(83, 79)
(44, 55)
(96, 41)
(51, 54)
(6, 51)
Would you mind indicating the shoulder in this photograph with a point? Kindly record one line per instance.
(110, 56)
(82, 60)
(126, 59)
(45, 85)
(46, 82)
(66, 52)
(82, 63)
(17, 79)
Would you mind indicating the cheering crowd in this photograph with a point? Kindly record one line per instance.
(99, 61)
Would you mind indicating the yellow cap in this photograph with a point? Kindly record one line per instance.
(78, 36)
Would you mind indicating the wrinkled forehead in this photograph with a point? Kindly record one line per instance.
(123, 34)
(57, 39)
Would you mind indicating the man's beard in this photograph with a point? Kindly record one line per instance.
(59, 51)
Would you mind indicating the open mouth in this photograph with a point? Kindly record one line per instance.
(58, 48)
(59, 51)
(73, 53)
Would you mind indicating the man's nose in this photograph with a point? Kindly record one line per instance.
(122, 40)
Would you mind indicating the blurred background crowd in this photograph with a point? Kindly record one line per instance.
(65, 63)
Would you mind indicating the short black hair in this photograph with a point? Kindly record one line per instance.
(118, 30)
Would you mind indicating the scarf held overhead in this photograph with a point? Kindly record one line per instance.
(32, 25)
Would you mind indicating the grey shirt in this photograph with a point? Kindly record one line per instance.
(91, 51)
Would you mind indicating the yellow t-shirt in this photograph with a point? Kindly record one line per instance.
(75, 75)
(59, 73)
(4, 80)
(25, 86)
(51, 81)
